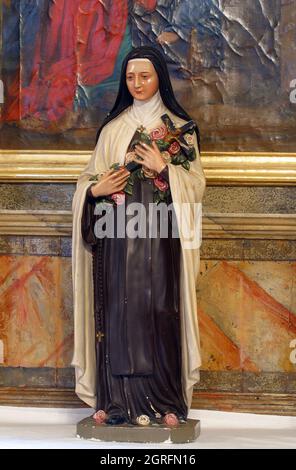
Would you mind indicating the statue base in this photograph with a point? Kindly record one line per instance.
(87, 428)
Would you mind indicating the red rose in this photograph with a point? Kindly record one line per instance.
(161, 184)
(174, 148)
(158, 133)
(118, 198)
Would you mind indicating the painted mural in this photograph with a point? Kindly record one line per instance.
(245, 309)
(36, 327)
(230, 62)
(247, 315)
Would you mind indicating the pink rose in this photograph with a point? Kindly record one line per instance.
(161, 184)
(174, 148)
(100, 416)
(170, 419)
(130, 156)
(158, 133)
(189, 139)
(118, 198)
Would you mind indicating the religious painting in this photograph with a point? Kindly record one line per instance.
(230, 63)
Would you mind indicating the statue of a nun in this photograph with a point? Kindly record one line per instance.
(137, 347)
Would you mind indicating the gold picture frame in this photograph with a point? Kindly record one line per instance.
(221, 168)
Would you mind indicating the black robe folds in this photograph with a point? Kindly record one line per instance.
(137, 293)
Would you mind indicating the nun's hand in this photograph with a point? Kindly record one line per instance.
(151, 156)
(111, 182)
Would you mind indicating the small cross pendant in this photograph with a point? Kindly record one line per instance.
(100, 336)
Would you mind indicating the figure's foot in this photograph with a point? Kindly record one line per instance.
(115, 420)
(170, 419)
(100, 417)
(182, 420)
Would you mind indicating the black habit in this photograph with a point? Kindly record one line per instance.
(136, 295)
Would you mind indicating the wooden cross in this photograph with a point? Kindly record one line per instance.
(178, 132)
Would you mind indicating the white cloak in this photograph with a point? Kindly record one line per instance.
(186, 187)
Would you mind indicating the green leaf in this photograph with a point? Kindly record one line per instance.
(192, 154)
(156, 197)
(162, 145)
(128, 189)
(131, 179)
(162, 195)
(145, 138)
(115, 166)
(136, 173)
(186, 165)
(179, 158)
(94, 178)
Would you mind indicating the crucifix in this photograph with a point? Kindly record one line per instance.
(99, 336)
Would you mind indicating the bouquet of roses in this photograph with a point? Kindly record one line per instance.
(176, 146)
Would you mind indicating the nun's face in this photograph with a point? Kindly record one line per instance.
(141, 79)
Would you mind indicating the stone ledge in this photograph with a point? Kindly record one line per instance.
(184, 433)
